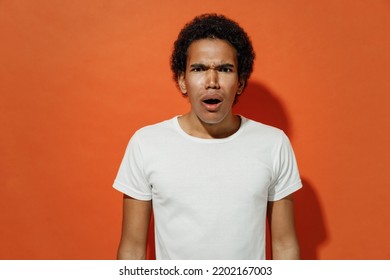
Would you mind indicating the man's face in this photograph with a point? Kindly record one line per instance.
(211, 79)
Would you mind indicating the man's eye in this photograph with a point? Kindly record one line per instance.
(196, 69)
(226, 69)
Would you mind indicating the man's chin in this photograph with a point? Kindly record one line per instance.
(212, 118)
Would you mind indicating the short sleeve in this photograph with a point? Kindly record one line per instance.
(286, 179)
(131, 179)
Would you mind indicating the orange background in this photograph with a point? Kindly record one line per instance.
(79, 77)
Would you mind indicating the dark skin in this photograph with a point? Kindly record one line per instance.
(211, 82)
(135, 224)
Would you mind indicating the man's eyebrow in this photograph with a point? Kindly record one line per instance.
(195, 65)
(218, 66)
(223, 65)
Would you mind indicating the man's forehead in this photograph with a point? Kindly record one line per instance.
(209, 45)
(211, 52)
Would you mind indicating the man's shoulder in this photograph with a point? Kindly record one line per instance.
(158, 128)
(261, 129)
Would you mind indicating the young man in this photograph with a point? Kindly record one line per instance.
(212, 177)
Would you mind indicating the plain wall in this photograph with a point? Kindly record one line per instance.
(78, 78)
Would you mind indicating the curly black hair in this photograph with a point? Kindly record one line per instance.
(213, 26)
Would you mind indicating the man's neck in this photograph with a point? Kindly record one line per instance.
(193, 126)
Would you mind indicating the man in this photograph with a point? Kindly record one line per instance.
(212, 177)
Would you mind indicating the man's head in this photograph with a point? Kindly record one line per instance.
(213, 26)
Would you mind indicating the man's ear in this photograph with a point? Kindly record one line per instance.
(241, 87)
(181, 82)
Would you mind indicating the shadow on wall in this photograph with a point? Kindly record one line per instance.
(260, 104)
(310, 224)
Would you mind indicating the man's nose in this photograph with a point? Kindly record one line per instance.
(212, 79)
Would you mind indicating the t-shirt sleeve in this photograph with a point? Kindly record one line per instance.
(131, 179)
(286, 179)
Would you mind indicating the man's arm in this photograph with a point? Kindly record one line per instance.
(283, 236)
(135, 225)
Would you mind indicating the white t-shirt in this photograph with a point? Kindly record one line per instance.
(209, 195)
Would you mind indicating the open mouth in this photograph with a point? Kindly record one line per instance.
(212, 101)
